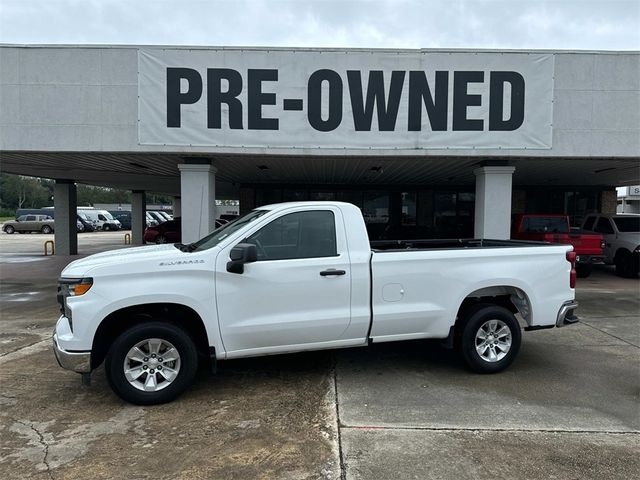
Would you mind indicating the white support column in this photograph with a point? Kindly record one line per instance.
(493, 202)
(177, 207)
(138, 216)
(65, 223)
(197, 199)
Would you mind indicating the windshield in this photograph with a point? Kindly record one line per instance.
(627, 224)
(223, 232)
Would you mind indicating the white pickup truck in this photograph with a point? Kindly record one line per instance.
(300, 276)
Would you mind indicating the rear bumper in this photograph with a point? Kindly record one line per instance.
(589, 259)
(566, 314)
(76, 361)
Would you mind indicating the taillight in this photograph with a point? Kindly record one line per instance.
(602, 244)
(571, 258)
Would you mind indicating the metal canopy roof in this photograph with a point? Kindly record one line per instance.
(159, 172)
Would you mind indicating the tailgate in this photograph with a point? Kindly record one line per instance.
(586, 243)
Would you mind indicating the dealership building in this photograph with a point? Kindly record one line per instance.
(428, 143)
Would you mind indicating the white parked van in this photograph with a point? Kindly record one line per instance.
(101, 219)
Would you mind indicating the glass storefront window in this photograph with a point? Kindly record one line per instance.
(578, 204)
(353, 197)
(267, 196)
(444, 214)
(409, 217)
(322, 196)
(425, 209)
(376, 207)
(295, 195)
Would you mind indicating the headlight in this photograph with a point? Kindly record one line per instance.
(71, 287)
(74, 287)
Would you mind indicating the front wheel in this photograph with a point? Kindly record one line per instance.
(490, 338)
(9, 229)
(627, 265)
(151, 363)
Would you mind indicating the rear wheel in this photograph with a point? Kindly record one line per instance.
(583, 270)
(161, 239)
(151, 363)
(46, 229)
(9, 229)
(490, 338)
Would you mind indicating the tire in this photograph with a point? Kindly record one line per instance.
(106, 227)
(152, 338)
(46, 229)
(583, 270)
(9, 229)
(161, 239)
(484, 319)
(626, 265)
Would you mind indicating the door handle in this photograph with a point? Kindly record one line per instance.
(332, 271)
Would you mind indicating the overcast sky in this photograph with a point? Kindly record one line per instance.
(530, 24)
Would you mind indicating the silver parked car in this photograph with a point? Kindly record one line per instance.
(30, 223)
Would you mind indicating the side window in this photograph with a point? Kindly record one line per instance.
(30, 218)
(588, 224)
(297, 235)
(604, 226)
(102, 217)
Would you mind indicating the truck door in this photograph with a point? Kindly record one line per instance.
(297, 293)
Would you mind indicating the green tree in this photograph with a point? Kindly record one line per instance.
(17, 191)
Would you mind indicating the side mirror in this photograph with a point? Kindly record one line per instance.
(241, 254)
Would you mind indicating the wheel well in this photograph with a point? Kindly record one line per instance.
(621, 251)
(118, 321)
(511, 298)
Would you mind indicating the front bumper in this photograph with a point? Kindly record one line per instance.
(566, 315)
(76, 361)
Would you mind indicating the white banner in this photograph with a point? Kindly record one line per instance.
(349, 99)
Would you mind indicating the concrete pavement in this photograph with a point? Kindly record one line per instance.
(569, 407)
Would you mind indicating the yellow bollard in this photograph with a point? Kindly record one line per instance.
(127, 239)
(53, 247)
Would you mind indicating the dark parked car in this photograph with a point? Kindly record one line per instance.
(87, 226)
(123, 216)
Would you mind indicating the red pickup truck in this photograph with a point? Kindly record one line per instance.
(552, 228)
